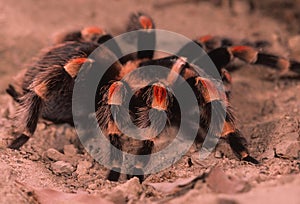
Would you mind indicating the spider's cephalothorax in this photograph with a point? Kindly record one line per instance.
(48, 84)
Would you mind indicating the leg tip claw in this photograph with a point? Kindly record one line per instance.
(251, 160)
(137, 172)
(114, 174)
(19, 142)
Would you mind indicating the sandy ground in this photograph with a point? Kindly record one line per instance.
(52, 165)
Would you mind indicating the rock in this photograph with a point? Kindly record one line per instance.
(167, 187)
(61, 167)
(48, 196)
(288, 149)
(286, 192)
(132, 187)
(84, 178)
(83, 167)
(42, 126)
(70, 150)
(218, 154)
(117, 196)
(194, 197)
(92, 186)
(294, 43)
(54, 155)
(34, 157)
(219, 182)
(293, 150)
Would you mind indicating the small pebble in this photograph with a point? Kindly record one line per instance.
(61, 167)
(70, 150)
(54, 155)
(92, 186)
(131, 187)
(83, 167)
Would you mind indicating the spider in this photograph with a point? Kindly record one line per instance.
(48, 84)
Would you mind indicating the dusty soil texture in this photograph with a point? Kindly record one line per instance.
(53, 167)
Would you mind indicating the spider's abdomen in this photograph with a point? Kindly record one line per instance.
(58, 107)
(57, 56)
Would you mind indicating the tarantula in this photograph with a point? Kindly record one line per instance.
(48, 84)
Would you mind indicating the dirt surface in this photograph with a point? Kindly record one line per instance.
(52, 164)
